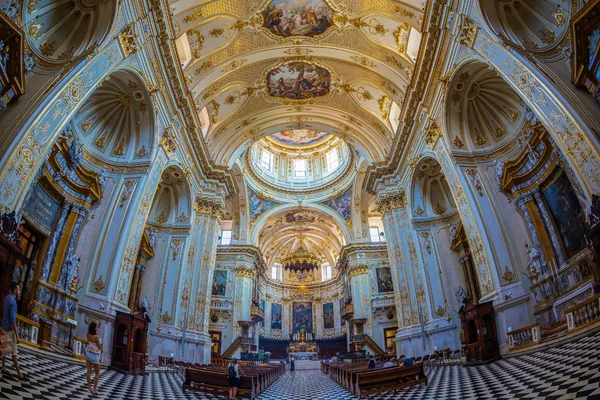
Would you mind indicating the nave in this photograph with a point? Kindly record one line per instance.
(571, 371)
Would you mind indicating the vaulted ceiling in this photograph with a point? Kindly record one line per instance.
(258, 67)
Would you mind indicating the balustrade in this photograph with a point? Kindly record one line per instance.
(583, 314)
(348, 311)
(524, 337)
(27, 331)
(79, 347)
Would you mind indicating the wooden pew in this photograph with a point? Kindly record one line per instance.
(389, 379)
(204, 380)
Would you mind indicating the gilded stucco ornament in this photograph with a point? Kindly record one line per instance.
(206, 205)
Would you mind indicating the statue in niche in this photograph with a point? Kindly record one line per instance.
(152, 238)
(460, 294)
(453, 232)
(145, 307)
(498, 167)
(75, 151)
(73, 273)
(534, 261)
(102, 178)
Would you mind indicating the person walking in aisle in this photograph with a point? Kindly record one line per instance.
(233, 375)
(292, 364)
(9, 328)
(92, 356)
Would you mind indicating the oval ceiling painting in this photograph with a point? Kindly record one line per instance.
(299, 137)
(297, 17)
(298, 81)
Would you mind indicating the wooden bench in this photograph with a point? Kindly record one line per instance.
(389, 379)
(217, 382)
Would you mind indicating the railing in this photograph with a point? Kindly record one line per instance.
(27, 331)
(221, 305)
(246, 341)
(524, 337)
(232, 348)
(583, 314)
(257, 313)
(382, 303)
(358, 338)
(348, 311)
(378, 351)
(79, 347)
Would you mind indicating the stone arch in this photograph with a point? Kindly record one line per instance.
(536, 26)
(117, 123)
(60, 32)
(483, 112)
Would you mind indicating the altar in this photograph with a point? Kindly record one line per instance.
(304, 355)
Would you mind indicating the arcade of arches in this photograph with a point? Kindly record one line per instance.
(301, 176)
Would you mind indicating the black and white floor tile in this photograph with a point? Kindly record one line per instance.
(571, 371)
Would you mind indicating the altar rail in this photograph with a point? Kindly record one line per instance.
(221, 305)
(524, 337)
(584, 314)
(79, 347)
(27, 331)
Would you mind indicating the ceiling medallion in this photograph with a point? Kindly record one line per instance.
(298, 81)
(297, 18)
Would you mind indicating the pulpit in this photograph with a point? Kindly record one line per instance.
(129, 344)
(480, 335)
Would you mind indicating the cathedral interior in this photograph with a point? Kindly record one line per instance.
(217, 179)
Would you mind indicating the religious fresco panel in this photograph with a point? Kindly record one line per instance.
(384, 280)
(276, 311)
(287, 18)
(567, 213)
(342, 204)
(298, 80)
(302, 316)
(328, 316)
(219, 286)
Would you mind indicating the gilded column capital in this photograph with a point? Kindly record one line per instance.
(209, 206)
(241, 271)
(392, 201)
(358, 269)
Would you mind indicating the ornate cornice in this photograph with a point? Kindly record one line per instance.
(247, 249)
(209, 206)
(165, 44)
(389, 202)
(421, 78)
(246, 272)
(359, 269)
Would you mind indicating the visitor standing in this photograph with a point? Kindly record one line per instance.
(92, 356)
(292, 364)
(9, 329)
(233, 376)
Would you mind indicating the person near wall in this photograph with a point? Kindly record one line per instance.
(92, 356)
(292, 364)
(371, 362)
(9, 330)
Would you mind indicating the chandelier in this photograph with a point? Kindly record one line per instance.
(301, 260)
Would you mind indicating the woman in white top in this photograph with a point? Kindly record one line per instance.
(92, 356)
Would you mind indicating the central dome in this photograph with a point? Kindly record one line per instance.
(297, 164)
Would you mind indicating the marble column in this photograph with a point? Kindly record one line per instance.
(472, 286)
(68, 270)
(548, 222)
(242, 301)
(522, 202)
(135, 286)
(54, 240)
(208, 215)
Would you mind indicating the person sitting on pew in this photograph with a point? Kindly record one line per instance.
(405, 361)
(233, 373)
(390, 363)
(371, 362)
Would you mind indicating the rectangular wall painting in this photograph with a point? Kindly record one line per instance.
(219, 286)
(384, 280)
(328, 316)
(297, 17)
(276, 316)
(302, 316)
(567, 214)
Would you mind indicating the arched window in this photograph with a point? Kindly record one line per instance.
(326, 271)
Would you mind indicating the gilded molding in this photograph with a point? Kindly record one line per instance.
(208, 206)
(391, 202)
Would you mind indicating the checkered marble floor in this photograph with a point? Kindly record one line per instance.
(571, 371)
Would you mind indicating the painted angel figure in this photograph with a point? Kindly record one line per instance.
(145, 306)
(498, 167)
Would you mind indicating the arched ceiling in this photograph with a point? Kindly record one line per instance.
(251, 74)
(282, 233)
